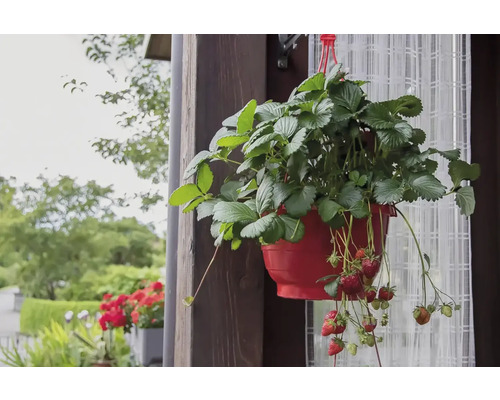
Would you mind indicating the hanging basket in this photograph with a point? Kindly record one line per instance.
(296, 267)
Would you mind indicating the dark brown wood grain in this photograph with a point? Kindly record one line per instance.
(224, 325)
(485, 223)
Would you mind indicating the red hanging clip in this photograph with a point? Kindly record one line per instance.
(327, 41)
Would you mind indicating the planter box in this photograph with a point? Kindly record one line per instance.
(149, 346)
(18, 301)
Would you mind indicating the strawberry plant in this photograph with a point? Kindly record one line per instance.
(327, 150)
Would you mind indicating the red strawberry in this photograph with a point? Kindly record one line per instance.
(369, 323)
(351, 284)
(370, 294)
(370, 267)
(360, 254)
(336, 346)
(333, 323)
(421, 315)
(386, 293)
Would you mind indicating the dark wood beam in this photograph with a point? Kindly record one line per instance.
(159, 47)
(485, 223)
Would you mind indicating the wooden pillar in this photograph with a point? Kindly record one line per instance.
(224, 327)
(485, 223)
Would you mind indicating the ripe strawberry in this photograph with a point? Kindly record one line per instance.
(351, 284)
(386, 293)
(333, 323)
(360, 254)
(336, 346)
(370, 294)
(369, 323)
(421, 315)
(370, 267)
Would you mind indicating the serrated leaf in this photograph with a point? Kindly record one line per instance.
(222, 132)
(205, 178)
(388, 191)
(269, 111)
(408, 106)
(400, 134)
(184, 194)
(340, 114)
(315, 82)
(297, 166)
(347, 95)
(275, 232)
(281, 192)
(251, 163)
(460, 170)
(418, 136)
(233, 212)
(294, 228)
(229, 190)
(450, 155)
(328, 209)
(376, 115)
(286, 126)
(245, 119)
(465, 200)
(318, 117)
(235, 244)
(334, 76)
(360, 210)
(295, 144)
(193, 165)
(426, 186)
(215, 228)
(245, 190)
(232, 121)
(299, 203)
(206, 208)
(232, 140)
(349, 195)
(257, 228)
(264, 196)
(354, 176)
(260, 141)
(331, 288)
(193, 204)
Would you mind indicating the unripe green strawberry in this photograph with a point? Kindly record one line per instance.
(352, 348)
(370, 340)
(431, 308)
(376, 304)
(384, 305)
(446, 310)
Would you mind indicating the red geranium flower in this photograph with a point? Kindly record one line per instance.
(157, 286)
(107, 296)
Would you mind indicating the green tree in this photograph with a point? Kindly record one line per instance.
(145, 102)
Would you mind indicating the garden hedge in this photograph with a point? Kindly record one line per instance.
(37, 313)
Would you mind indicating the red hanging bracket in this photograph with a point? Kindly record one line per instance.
(327, 42)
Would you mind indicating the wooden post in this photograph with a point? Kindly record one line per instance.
(224, 327)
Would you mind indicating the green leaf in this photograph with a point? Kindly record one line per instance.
(349, 195)
(232, 121)
(294, 228)
(328, 209)
(269, 111)
(193, 165)
(299, 203)
(334, 76)
(460, 170)
(450, 155)
(232, 140)
(315, 82)
(229, 190)
(222, 132)
(257, 228)
(251, 163)
(184, 194)
(264, 196)
(376, 115)
(261, 141)
(360, 210)
(426, 186)
(388, 191)
(245, 119)
(193, 204)
(281, 192)
(340, 114)
(318, 117)
(397, 136)
(297, 166)
(205, 178)
(418, 136)
(235, 244)
(206, 208)
(347, 95)
(245, 190)
(275, 232)
(465, 200)
(354, 176)
(295, 144)
(233, 212)
(408, 106)
(331, 288)
(286, 126)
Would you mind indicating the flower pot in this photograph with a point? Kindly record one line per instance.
(296, 267)
(149, 346)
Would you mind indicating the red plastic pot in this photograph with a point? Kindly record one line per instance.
(296, 267)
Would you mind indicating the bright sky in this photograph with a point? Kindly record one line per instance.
(46, 129)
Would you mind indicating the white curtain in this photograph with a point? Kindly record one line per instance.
(435, 68)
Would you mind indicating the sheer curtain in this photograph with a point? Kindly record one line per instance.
(435, 68)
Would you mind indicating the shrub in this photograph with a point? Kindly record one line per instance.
(110, 279)
(38, 313)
